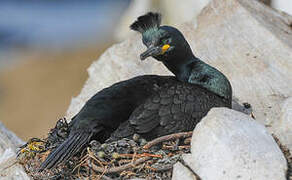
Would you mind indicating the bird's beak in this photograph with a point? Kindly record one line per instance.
(151, 51)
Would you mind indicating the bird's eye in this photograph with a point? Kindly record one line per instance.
(166, 41)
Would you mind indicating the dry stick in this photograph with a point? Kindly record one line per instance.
(141, 160)
(120, 168)
(179, 147)
(150, 155)
(167, 138)
(91, 154)
(133, 158)
(102, 174)
(81, 162)
(165, 168)
(140, 155)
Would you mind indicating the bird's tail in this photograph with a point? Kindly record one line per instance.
(66, 150)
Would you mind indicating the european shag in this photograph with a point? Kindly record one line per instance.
(149, 105)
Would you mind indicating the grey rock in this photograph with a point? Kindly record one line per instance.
(181, 172)
(228, 144)
(9, 168)
(283, 5)
(283, 127)
(184, 12)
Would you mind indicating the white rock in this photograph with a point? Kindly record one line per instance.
(252, 45)
(228, 144)
(283, 127)
(174, 13)
(282, 5)
(181, 172)
(9, 143)
(184, 12)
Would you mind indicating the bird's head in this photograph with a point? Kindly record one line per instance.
(163, 42)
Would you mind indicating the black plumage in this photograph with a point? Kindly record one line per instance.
(149, 105)
(146, 22)
(173, 106)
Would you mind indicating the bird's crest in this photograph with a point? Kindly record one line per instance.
(147, 21)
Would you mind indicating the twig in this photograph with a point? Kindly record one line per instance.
(151, 168)
(150, 155)
(165, 168)
(120, 168)
(102, 174)
(123, 161)
(179, 147)
(84, 159)
(140, 155)
(167, 138)
(91, 155)
(133, 158)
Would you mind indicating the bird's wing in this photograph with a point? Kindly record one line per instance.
(173, 107)
(177, 107)
(148, 114)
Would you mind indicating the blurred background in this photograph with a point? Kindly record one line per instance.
(45, 49)
(47, 45)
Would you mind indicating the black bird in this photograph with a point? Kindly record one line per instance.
(149, 105)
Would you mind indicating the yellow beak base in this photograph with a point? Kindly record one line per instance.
(165, 48)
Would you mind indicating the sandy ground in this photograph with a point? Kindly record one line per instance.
(36, 93)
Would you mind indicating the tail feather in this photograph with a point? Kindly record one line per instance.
(66, 150)
(70, 149)
(76, 148)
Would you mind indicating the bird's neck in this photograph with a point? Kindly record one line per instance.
(192, 70)
(181, 66)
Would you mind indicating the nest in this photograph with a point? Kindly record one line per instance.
(122, 159)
